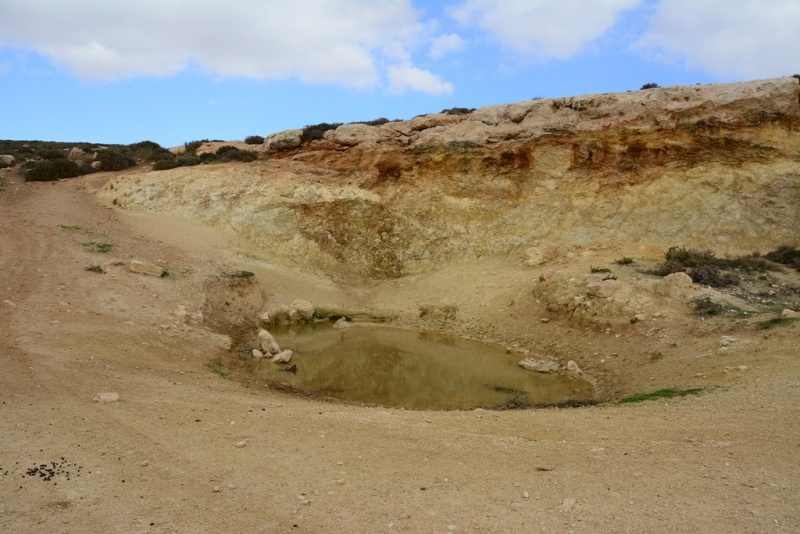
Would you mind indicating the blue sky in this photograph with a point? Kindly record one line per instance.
(172, 71)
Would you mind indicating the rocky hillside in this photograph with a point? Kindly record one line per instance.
(714, 166)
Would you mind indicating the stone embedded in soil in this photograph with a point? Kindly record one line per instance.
(341, 323)
(568, 504)
(539, 366)
(257, 354)
(240, 445)
(790, 314)
(143, 267)
(603, 289)
(105, 397)
(301, 310)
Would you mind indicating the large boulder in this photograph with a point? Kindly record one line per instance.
(7, 160)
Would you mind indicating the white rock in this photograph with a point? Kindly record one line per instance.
(568, 504)
(303, 309)
(257, 354)
(539, 366)
(241, 444)
(7, 160)
(790, 314)
(106, 397)
(341, 323)
(572, 367)
(283, 357)
(268, 343)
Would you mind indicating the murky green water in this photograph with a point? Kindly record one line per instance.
(406, 368)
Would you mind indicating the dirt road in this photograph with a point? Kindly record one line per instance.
(186, 450)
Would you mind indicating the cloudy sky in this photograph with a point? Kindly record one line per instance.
(172, 71)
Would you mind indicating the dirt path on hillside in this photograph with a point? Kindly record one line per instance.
(185, 450)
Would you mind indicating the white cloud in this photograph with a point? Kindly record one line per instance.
(343, 42)
(403, 78)
(543, 29)
(742, 39)
(446, 44)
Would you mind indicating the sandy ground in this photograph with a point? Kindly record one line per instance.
(185, 450)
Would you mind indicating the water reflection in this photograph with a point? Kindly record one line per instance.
(405, 368)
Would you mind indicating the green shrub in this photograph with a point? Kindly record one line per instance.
(111, 160)
(254, 140)
(231, 153)
(315, 132)
(192, 146)
(624, 261)
(706, 307)
(50, 170)
(650, 86)
(52, 154)
(785, 255)
(458, 111)
(166, 164)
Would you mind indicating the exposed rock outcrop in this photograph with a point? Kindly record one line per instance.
(713, 166)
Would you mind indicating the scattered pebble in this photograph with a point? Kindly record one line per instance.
(241, 444)
(105, 397)
(216, 489)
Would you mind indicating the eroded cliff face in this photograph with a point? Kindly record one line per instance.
(714, 166)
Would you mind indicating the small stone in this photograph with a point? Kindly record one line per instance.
(544, 468)
(143, 267)
(342, 323)
(216, 489)
(283, 357)
(144, 463)
(241, 444)
(106, 397)
(539, 366)
(568, 504)
(257, 354)
(545, 320)
(340, 482)
(572, 367)
(743, 368)
(526, 495)
(790, 314)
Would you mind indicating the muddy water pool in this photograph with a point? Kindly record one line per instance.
(396, 367)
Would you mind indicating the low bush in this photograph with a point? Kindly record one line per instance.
(192, 146)
(52, 154)
(111, 160)
(705, 268)
(785, 255)
(315, 132)
(254, 140)
(231, 153)
(704, 306)
(650, 86)
(458, 111)
(51, 170)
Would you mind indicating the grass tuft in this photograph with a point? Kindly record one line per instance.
(775, 321)
(100, 248)
(667, 393)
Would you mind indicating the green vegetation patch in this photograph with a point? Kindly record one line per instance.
(775, 321)
(238, 274)
(667, 393)
(219, 369)
(100, 248)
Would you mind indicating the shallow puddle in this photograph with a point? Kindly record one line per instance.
(410, 369)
